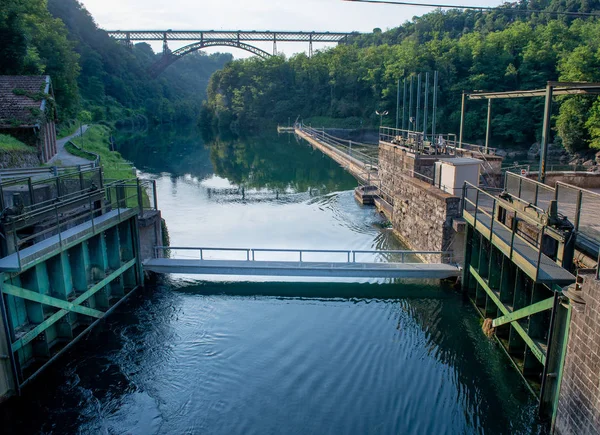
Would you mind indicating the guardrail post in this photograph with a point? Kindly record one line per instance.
(578, 210)
(300, 252)
(353, 257)
(80, 178)
(58, 226)
(139, 197)
(92, 214)
(201, 258)
(31, 196)
(155, 194)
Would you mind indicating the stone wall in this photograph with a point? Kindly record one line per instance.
(423, 215)
(579, 399)
(395, 160)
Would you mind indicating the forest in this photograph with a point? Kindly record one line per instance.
(91, 71)
(472, 50)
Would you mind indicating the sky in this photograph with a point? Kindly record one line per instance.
(296, 15)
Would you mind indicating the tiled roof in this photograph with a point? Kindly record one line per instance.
(16, 103)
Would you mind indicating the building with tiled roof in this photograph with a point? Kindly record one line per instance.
(28, 112)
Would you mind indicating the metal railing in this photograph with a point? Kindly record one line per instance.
(51, 220)
(300, 255)
(51, 171)
(95, 158)
(346, 148)
(32, 192)
(479, 203)
(579, 206)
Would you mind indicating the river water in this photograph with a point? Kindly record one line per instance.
(228, 356)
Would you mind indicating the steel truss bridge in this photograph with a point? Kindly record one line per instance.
(200, 39)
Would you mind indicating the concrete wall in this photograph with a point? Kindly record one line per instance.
(585, 180)
(150, 231)
(579, 399)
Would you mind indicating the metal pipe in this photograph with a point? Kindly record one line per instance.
(410, 106)
(398, 104)
(545, 133)
(426, 106)
(487, 126)
(462, 120)
(404, 107)
(434, 112)
(418, 117)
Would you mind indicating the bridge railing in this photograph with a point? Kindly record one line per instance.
(346, 147)
(348, 256)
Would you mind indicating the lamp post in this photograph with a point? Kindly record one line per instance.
(381, 115)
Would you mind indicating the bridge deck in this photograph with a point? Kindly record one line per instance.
(294, 268)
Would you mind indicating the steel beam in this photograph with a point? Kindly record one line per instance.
(545, 133)
(29, 336)
(544, 305)
(535, 350)
(19, 292)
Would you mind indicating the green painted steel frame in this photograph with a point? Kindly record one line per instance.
(535, 349)
(31, 335)
(544, 305)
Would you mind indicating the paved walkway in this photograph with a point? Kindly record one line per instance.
(64, 158)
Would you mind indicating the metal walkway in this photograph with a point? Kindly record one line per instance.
(400, 264)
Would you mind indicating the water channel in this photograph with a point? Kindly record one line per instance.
(190, 356)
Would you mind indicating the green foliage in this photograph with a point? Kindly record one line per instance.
(10, 144)
(115, 81)
(96, 140)
(498, 51)
(84, 116)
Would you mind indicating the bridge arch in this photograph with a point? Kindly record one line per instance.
(170, 57)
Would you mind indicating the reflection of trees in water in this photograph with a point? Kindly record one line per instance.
(178, 150)
(276, 163)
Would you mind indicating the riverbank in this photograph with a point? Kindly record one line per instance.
(97, 141)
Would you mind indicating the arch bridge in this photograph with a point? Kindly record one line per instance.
(228, 38)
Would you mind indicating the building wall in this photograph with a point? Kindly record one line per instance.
(579, 398)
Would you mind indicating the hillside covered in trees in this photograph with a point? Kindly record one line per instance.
(472, 50)
(92, 71)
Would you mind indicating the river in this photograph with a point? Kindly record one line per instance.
(229, 356)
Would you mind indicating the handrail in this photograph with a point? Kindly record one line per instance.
(350, 254)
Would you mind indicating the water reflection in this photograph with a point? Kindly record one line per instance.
(252, 165)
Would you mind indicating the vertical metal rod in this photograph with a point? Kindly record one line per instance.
(578, 210)
(476, 208)
(434, 111)
(398, 105)
(353, 257)
(539, 259)
(30, 187)
(300, 251)
(80, 178)
(514, 231)
(14, 233)
(201, 254)
(418, 114)
(92, 214)
(520, 186)
(155, 194)
(410, 106)
(404, 106)
(139, 197)
(492, 225)
(545, 133)
(9, 340)
(462, 120)
(426, 106)
(58, 226)
(487, 126)
(535, 197)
